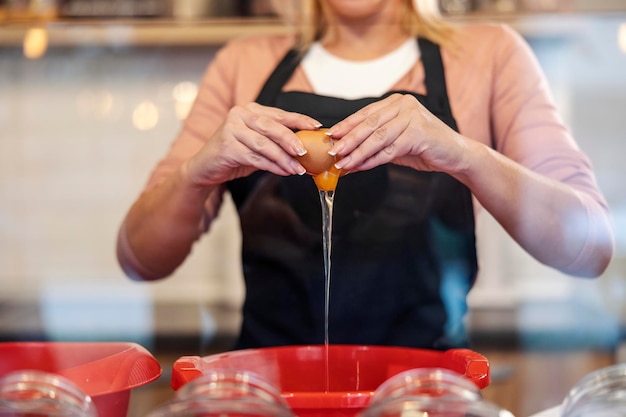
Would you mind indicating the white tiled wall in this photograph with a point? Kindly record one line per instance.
(71, 163)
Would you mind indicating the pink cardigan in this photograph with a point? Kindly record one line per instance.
(498, 94)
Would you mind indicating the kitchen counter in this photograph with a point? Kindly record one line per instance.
(205, 328)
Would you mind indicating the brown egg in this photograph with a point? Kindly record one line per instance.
(316, 160)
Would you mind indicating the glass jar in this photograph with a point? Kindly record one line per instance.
(427, 382)
(31, 393)
(601, 393)
(433, 407)
(226, 393)
(433, 392)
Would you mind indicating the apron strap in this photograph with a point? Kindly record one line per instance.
(278, 78)
(435, 79)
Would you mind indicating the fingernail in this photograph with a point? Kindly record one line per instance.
(299, 169)
(329, 132)
(301, 151)
(342, 162)
(317, 125)
(335, 150)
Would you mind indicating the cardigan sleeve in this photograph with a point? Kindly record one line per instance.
(526, 127)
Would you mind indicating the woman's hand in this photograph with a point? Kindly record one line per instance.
(398, 129)
(253, 137)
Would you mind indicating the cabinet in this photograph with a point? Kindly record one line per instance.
(216, 31)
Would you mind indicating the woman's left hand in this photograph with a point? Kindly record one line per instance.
(397, 129)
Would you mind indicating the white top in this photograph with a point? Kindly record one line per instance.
(330, 75)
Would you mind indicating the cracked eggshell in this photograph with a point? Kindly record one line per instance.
(316, 160)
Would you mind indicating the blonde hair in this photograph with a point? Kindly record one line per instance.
(310, 20)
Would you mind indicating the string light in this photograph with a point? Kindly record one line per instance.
(621, 37)
(35, 43)
(145, 115)
(184, 94)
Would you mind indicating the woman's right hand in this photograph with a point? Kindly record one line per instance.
(253, 137)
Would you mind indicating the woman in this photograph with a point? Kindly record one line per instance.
(425, 118)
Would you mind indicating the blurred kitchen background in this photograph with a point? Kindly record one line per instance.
(92, 92)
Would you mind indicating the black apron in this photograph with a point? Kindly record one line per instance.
(403, 248)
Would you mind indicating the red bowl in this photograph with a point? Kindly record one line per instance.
(106, 371)
(354, 372)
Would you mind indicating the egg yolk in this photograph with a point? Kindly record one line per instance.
(318, 163)
(327, 180)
